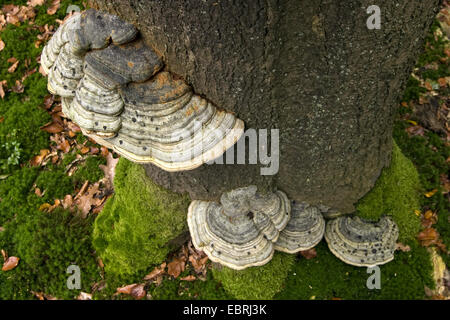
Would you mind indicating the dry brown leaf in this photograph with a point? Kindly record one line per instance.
(52, 127)
(34, 3)
(84, 296)
(27, 74)
(13, 67)
(428, 234)
(110, 170)
(37, 160)
(402, 247)
(176, 267)
(189, 278)
(48, 101)
(10, 263)
(2, 45)
(126, 289)
(135, 290)
(2, 91)
(416, 130)
(104, 151)
(38, 192)
(84, 150)
(89, 199)
(442, 82)
(138, 291)
(18, 87)
(54, 7)
(67, 201)
(309, 254)
(2, 21)
(82, 190)
(198, 264)
(156, 272)
(4, 255)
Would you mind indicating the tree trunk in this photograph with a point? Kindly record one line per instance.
(311, 69)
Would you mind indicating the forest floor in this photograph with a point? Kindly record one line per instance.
(51, 175)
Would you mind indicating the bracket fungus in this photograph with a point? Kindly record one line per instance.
(112, 85)
(360, 242)
(240, 231)
(304, 230)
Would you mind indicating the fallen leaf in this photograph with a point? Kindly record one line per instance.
(44, 206)
(34, 3)
(2, 45)
(89, 199)
(156, 272)
(39, 295)
(52, 127)
(110, 170)
(48, 101)
(309, 254)
(430, 193)
(428, 234)
(18, 87)
(64, 145)
(188, 278)
(416, 130)
(126, 289)
(84, 296)
(27, 74)
(82, 190)
(10, 263)
(38, 192)
(104, 151)
(198, 264)
(176, 267)
(135, 290)
(84, 150)
(67, 201)
(54, 7)
(13, 67)
(2, 91)
(138, 291)
(37, 160)
(402, 247)
(442, 82)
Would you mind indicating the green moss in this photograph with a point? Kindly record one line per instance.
(137, 223)
(55, 183)
(89, 170)
(48, 243)
(256, 282)
(68, 158)
(429, 153)
(397, 194)
(326, 277)
(14, 191)
(174, 289)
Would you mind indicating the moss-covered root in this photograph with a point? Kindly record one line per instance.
(134, 229)
(397, 194)
(260, 283)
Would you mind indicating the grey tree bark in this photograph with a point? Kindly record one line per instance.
(311, 69)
